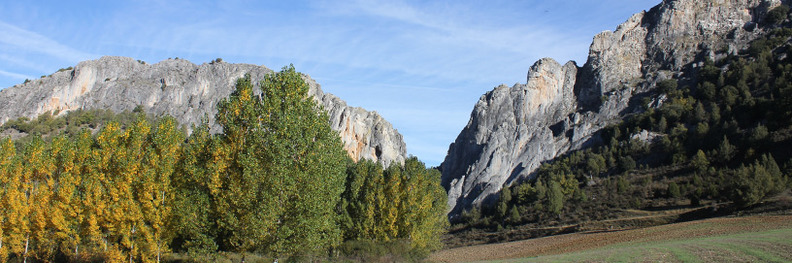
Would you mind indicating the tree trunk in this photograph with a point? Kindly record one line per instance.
(158, 252)
(27, 242)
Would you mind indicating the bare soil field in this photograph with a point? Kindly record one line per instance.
(734, 242)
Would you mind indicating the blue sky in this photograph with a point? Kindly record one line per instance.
(420, 64)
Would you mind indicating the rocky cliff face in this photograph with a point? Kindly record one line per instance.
(512, 130)
(189, 93)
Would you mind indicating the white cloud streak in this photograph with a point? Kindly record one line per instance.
(422, 64)
(14, 75)
(28, 41)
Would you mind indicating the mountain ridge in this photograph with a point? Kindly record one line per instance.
(189, 93)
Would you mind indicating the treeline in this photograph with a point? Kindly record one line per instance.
(71, 124)
(276, 183)
(723, 137)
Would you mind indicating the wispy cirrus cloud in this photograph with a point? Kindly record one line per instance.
(22, 40)
(14, 75)
(421, 64)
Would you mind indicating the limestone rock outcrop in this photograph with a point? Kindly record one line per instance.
(189, 93)
(513, 130)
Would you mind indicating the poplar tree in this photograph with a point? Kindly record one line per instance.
(271, 181)
(155, 192)
(196, 184)
(423, 206)
(94, 197)
(405, 202)
(390, 210)
(113, 219)
(66, 211)
(7, 181)
(37, 184)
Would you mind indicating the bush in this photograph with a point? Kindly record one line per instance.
(627, 163)
(372, 251)
(673, 190)
(777, 15)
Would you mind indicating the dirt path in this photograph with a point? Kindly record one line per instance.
(585, 241)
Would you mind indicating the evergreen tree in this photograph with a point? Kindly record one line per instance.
(700, 161)
(555, 198)
(726, 151)
(673, 190)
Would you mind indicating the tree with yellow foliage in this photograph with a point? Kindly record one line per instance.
(154, 192)
(196, 183)
(405, 202)
(116, 221)
(8, 178)
(93, 199)
(390, 210)
(423, 206)
(65, 210)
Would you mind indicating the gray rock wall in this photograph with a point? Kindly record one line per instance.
(188, 92)
(512, 130)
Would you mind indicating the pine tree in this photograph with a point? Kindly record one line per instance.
(726, 151)
(555, 198)
(700, 161)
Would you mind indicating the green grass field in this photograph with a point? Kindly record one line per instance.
(765, 246)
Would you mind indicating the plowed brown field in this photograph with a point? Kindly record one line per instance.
(577, 242)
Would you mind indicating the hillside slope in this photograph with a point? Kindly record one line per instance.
(561, 108)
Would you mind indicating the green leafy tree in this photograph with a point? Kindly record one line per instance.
(700, 161)
(673, 190)
(424, 206)
(154, 189)
(503, 202)
(196, 183)
(555, 198)
(726, 150)
(277, 174)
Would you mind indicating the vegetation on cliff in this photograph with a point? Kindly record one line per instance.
(720, 136)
